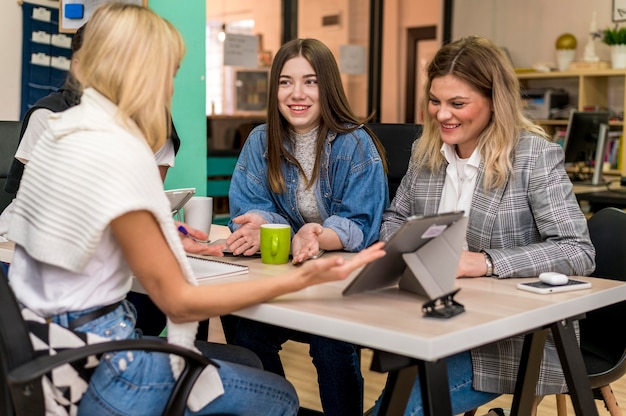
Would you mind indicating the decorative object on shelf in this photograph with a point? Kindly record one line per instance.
(590, 47)
(589, 66)
(615, 37)
(565, 50)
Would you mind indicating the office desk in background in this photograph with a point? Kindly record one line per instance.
(391, 322)
(600, 199)
(597, 197)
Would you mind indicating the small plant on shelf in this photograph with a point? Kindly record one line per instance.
(614, 36)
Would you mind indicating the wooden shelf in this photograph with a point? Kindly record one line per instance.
(594, 88)
(573, 74)
(563, 122)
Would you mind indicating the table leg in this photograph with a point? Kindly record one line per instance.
(435, 387)
(397, 391)
(402, 373)
(574, 368)
(528, 374)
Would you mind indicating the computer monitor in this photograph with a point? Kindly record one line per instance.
(585, 142)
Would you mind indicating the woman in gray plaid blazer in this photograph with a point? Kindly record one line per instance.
(480, 154)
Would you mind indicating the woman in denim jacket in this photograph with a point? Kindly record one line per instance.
(316, 167)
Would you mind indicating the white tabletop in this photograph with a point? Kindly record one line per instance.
(392, 320)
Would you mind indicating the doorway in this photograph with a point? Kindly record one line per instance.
(413, 72)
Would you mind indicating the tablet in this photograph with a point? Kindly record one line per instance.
(179, 197)
(545, 288)
(422, 257)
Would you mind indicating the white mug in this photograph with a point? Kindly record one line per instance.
(198, 213)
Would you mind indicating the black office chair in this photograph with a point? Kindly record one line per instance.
(21, 371)
(397, 139)
(603, 345)
(9, 139)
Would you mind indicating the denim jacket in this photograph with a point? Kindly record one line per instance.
(351, 190)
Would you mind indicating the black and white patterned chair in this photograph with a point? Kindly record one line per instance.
(22, 368)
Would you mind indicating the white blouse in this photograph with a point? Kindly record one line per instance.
(461, 174)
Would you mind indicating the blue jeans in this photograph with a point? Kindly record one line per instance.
(139, 383)
(337, 363)
(463, 397)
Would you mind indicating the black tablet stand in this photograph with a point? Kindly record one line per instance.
(443, 307)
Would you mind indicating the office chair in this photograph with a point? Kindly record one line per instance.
(9, 139)
(603, 346)
(21, 371)
(397, 139)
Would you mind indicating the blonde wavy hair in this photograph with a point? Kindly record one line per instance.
(483, 66)
(130, 55)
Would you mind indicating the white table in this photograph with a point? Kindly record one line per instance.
(392, 322)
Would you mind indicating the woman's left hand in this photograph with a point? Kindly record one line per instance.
(472, 264)
(305, 243)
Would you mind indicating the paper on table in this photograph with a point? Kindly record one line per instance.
(205, 269)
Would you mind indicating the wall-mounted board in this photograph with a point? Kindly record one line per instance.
(75, 13)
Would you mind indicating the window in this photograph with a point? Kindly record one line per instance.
(219, 77)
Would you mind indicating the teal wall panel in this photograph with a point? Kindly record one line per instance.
(188, 109)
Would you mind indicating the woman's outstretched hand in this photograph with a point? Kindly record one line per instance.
(331, 268)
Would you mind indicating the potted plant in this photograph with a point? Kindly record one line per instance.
(615, 37)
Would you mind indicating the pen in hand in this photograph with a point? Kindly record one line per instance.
(185, 232)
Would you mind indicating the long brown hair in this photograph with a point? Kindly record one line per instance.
(336, 114)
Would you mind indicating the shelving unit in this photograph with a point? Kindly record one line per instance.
(588, 89)
(46, 53)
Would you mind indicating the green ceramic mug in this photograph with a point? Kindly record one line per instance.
(275, 243)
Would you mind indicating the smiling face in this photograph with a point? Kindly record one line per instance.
(298, 95)
(461, 112)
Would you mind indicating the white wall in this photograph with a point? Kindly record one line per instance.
(11, 53)
(529, 28)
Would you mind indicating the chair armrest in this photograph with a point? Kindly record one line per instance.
(25, 374)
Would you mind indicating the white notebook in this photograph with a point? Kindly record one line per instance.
(205, 269)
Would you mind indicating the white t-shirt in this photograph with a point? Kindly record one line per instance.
(42, 286)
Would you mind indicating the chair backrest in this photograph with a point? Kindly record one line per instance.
(15, 347)
(599, 334)
(397, 139)
(9, 139)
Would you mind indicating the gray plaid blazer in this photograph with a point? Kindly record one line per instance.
(530, 225)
